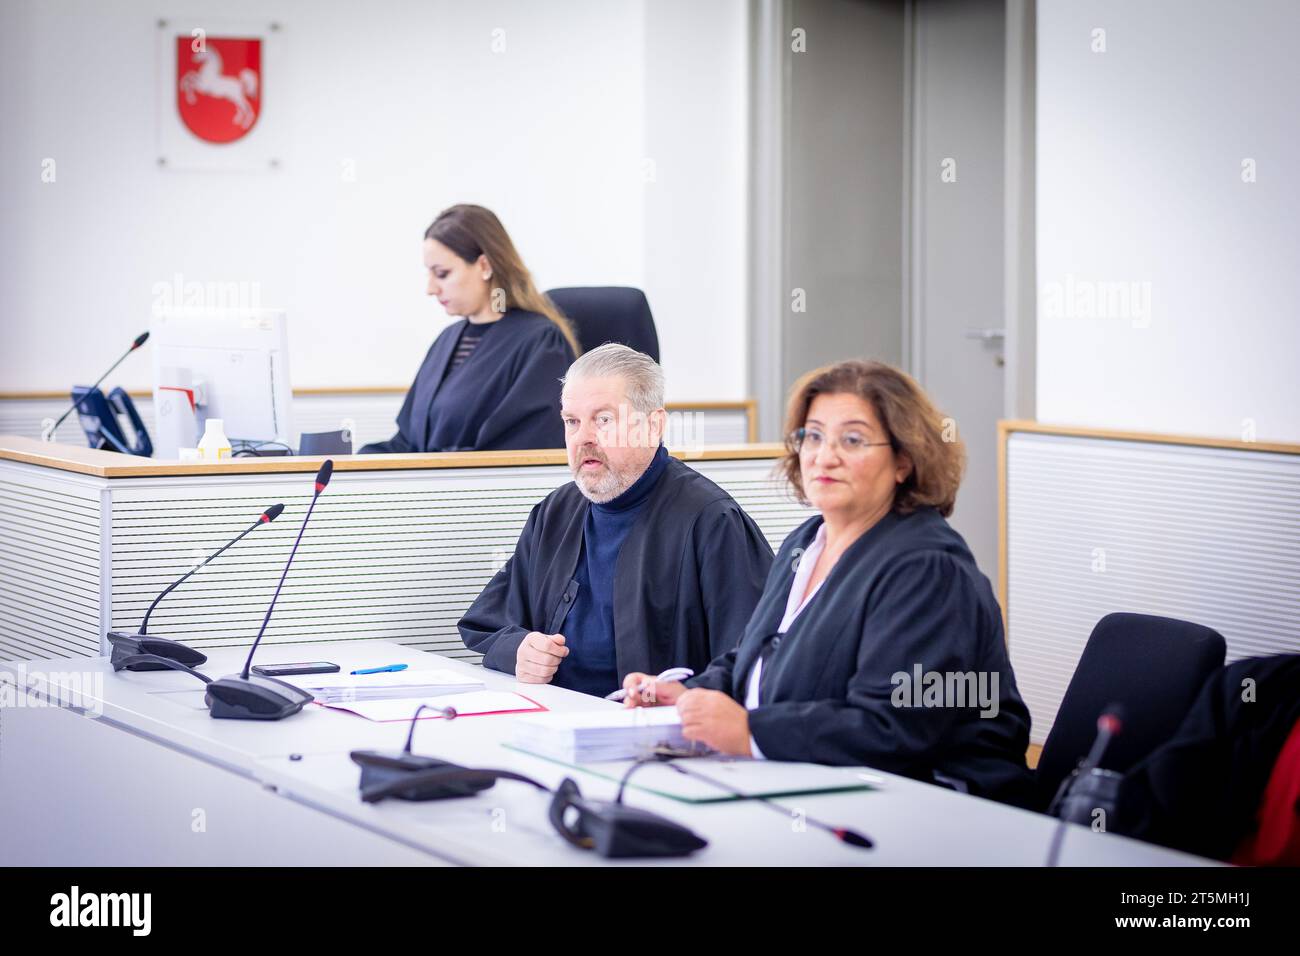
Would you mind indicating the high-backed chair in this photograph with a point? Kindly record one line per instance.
(1153, 667)
(325, 443)
(603, 314)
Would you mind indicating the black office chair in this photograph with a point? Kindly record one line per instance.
(1153, 667)
(603, 314)
(325, 443)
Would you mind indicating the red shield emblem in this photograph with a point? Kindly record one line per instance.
(219, 88)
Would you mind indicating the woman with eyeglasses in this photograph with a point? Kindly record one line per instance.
(877, 641)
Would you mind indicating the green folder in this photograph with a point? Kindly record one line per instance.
(769, 779)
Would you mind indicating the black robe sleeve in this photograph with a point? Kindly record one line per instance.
(505, 396)
(718, 674)
(489, 627)
(528, 413)
(923, 613)
(399, 443)
(734, 559)
(406, 440)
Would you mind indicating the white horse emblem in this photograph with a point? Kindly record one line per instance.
(208, 80)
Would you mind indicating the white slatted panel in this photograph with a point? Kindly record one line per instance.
(1201, 534)
(373, 416)
(49, 565)
(23, 416)
(714, 426)
(398, 557)
(763, 496)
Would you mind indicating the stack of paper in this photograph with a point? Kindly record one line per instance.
(466, 705)
(601, 734)
(389, 685)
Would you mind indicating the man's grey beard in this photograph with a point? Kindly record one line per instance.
(605, 488)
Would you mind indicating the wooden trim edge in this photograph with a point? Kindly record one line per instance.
(747, 405)
(107, 464)
(1007, 426)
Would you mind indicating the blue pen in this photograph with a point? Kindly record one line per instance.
(382, 670)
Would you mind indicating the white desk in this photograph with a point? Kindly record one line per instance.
(147, 777)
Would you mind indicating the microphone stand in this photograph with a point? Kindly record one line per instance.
(246, 696)
(139, 341)
(140, 651)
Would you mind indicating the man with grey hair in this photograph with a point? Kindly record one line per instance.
(640, 564)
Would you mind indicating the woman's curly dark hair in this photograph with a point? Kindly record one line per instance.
(914, 426)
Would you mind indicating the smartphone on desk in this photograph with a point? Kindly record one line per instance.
(295, 670)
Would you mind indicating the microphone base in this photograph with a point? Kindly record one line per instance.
(616, 830)
(379, 768)
(254, 698)
(1096, 790)
(126, 645)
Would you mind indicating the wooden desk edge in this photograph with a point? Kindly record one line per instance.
(747, 405)
(107, 464)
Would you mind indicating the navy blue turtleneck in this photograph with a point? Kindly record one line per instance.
(588, 629)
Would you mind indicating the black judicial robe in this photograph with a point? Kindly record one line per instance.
(1200, 790)
(505, 395)
(906, 593)
(686, 579)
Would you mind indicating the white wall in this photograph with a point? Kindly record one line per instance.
(1140, 152)
(552, 134)
(696, 136)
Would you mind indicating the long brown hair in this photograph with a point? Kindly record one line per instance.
(472, 231)
(911, 422)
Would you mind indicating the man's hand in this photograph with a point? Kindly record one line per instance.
(713, 718)
(656, 693)
(539, 656)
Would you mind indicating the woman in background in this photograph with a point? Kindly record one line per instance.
(877, 641)
(491, 380)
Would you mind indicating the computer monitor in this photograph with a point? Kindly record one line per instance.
(234, 364)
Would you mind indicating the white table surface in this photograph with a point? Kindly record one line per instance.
(305, 759)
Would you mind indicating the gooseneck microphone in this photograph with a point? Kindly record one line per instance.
(139, 341)
(611, 829)
(246, 696)
(322, 479)
(162, 664)
(135, 652)
(267, 516)
(404, 774)
(447, 712)
(1087, 788)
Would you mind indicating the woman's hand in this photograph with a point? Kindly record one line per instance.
(657, 693)
(715, 719)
